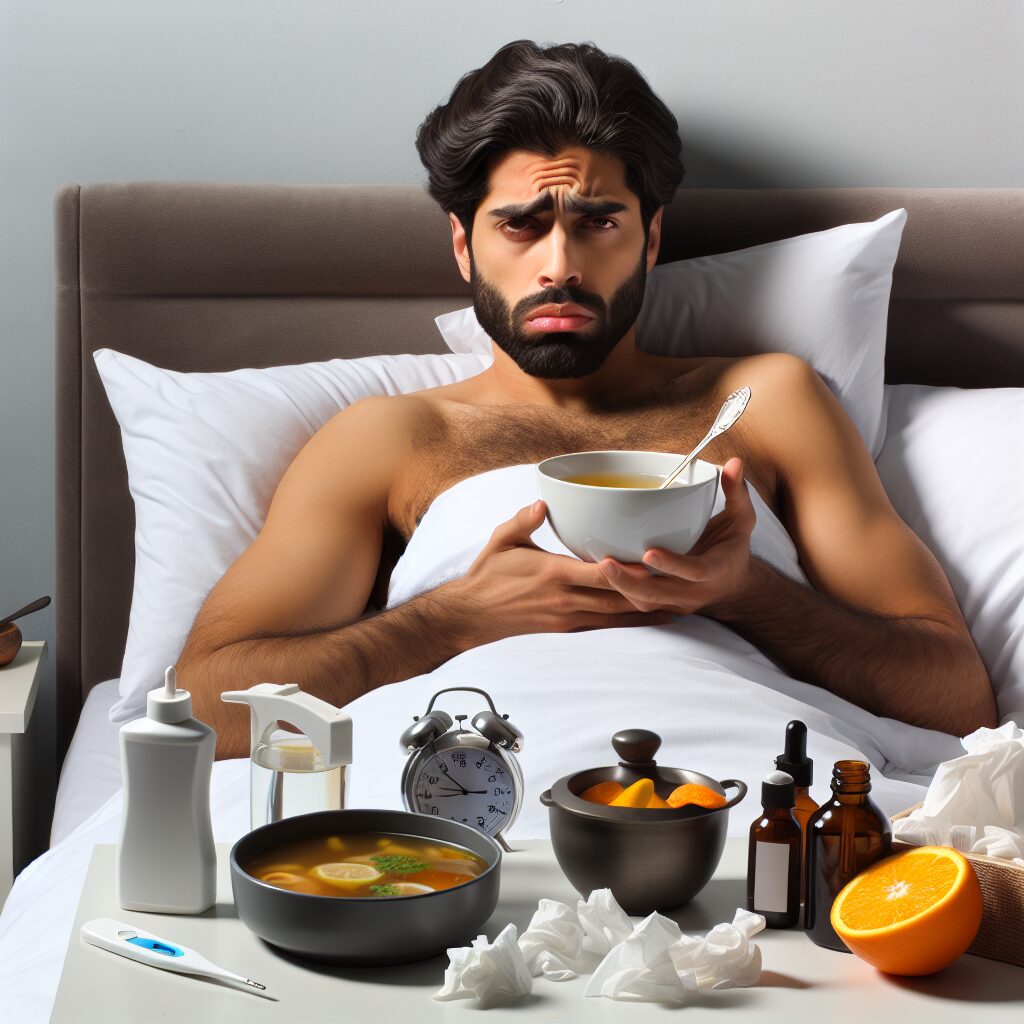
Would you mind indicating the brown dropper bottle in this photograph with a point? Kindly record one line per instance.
(845, 835)
(794, 761)
(773, 855)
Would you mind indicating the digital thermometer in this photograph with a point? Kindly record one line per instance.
(127, 940)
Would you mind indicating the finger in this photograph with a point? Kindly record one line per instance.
(606, 602)
(686, 567)
(645, 591)
(596, 621)
(737, 497)
(517, 531)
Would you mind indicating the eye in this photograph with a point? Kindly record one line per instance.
(515, 227)
(601, 221)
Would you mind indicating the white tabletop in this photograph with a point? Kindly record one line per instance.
(19, 684)
(800, 981)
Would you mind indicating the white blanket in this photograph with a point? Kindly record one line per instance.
(719, 704)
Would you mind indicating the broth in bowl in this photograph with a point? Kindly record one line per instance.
(365, 864)
(617, 479)
(612, 503)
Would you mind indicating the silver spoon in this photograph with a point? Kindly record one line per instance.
(732, 409)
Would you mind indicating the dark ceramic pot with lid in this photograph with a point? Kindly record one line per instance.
(650, 858)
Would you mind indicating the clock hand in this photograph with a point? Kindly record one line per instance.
(441, 796)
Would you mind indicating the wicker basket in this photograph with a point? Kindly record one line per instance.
(1001, 935)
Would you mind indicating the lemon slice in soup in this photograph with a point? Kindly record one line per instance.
(347, 874)
(412, 888)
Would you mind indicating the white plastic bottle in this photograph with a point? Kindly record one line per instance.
(166, 860)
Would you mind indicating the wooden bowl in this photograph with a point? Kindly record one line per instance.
(10, 643)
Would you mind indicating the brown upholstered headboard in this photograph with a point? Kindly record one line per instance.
(219, 276)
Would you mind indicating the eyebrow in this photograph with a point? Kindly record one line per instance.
(573, 203)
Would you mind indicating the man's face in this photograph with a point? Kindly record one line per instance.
(558, 262)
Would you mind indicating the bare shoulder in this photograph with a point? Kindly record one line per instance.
(358, 452)
(787, 394)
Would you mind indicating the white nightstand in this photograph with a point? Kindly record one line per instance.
(19, 683)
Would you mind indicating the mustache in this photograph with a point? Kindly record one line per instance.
(560, 296)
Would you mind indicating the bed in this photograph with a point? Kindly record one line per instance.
(212, 277)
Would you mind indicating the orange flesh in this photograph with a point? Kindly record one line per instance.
(691, 793)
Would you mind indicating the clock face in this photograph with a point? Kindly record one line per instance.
(467, 785)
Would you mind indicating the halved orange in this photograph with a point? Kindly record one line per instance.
(912, 913)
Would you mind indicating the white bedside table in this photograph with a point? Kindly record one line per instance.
(19, 683)
(799, 981)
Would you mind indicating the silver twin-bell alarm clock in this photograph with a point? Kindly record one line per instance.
(464, 775)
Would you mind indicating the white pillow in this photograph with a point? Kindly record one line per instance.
(953, 467)
(205, 453)
(823, 297)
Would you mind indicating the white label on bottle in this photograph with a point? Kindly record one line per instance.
(771, 877)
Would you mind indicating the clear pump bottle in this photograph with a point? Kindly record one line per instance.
(294, 772)
(844, 836)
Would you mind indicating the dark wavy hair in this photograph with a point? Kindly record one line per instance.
(543, 100)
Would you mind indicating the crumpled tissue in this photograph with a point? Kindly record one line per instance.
(553, 941)
(975, 803)
(653, 961)
(605, 923)
(489, 972)
(658, 963)
(724, 958)
(640, 967)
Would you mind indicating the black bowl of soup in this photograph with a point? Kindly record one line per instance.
(365, 887)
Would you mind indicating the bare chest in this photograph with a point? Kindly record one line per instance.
(464, 441)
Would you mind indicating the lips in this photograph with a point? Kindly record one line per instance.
(565, 317)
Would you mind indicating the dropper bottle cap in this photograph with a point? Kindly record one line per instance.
(794, 760)
(169, 704)
(777, 790)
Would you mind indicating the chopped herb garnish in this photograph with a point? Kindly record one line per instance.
(399, 864)
(384, 890)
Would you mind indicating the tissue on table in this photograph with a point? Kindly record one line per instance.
(605, 923)
(640, 967)
(488, 972)
(653, 961)
(553, 941)
(658, 963)
(724, 958)
(975, 803)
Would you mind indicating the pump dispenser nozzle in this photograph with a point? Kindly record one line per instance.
(794, 760)
(170, 682)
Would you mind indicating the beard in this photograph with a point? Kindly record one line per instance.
(559, 355)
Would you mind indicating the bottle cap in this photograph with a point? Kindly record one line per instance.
(169, 704)
(794, 759)
(777, 790)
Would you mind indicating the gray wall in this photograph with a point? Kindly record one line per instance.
(792, 92)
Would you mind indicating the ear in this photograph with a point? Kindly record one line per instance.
(654, 238)
(461, 246)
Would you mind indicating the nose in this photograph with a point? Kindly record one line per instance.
(561, 267)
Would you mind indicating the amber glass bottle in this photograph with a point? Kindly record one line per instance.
(773, 856)
(794, 761)
(845, 835)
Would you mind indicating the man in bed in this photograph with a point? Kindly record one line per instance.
(554, 166)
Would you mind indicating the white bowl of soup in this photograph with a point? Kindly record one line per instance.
(365, 887)
(608, 503)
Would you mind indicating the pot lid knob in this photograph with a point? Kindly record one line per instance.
(636, 747)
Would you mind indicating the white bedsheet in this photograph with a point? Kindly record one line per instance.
(92, 768)
(719, 704)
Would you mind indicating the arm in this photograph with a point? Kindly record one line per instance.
(286, 610)
(882, 627)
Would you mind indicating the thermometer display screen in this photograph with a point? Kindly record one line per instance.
(470, 786)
